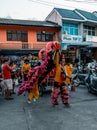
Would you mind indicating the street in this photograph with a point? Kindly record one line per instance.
(17, 114)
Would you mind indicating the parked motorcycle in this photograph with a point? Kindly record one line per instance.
(92, 81)
(78, 77)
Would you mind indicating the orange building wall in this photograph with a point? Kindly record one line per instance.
(2, 35)
(32, 36)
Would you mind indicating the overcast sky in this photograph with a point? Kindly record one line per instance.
(39, 9)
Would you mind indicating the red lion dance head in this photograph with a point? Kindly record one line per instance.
(53, 46)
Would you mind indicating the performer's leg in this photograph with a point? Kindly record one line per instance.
(54, 96)
(30, 95)
(36, 92)
(65, 96)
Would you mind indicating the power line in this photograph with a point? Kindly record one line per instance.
(43, 2)
(83, 1)
(49, 3)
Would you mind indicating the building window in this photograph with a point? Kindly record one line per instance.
(13, 35)
(88, 30)
(24, 36)
(45, 36)
(71, 29)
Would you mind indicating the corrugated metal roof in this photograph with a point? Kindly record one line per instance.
(6, 21)
(65, 13)
(87, 15)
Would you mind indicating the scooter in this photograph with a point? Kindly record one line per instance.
(78, 77)
(92, 81)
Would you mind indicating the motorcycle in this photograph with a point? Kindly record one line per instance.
(92, 81)
(78, 77)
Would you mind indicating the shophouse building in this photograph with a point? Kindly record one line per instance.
(76, 30)
(20, 37)
(78, 35)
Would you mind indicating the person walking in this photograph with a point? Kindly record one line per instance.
(7, 79)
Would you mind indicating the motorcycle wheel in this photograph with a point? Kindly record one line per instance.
(77, 82)
(90, 90)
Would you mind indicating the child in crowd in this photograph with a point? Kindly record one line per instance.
(68, 71)
(33, 93)
(25, 68)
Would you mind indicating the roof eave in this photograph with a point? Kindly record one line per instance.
(77, 20)
(92, 21)
(58, 13)
(28, 25)
(87, 20)
(54, 10)
(49, 14)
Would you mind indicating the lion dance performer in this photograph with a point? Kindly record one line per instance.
(40, 73)
(59, 85)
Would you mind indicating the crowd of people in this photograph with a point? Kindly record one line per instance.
(61, 77)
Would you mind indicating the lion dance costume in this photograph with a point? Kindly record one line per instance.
(40, 73)
(59, 85)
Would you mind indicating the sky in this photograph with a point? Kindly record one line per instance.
(39, 9)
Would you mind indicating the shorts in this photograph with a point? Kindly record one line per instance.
(8, 84)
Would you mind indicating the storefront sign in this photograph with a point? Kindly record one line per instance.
(71, 38)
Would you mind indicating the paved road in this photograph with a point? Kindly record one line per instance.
(41, 115)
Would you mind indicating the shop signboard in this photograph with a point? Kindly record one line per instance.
(71, 38)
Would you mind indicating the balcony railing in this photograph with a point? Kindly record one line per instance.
(91, 38)
(15, 45)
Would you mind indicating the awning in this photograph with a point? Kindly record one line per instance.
(83, 44)
(18, 52)
(94, 45)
